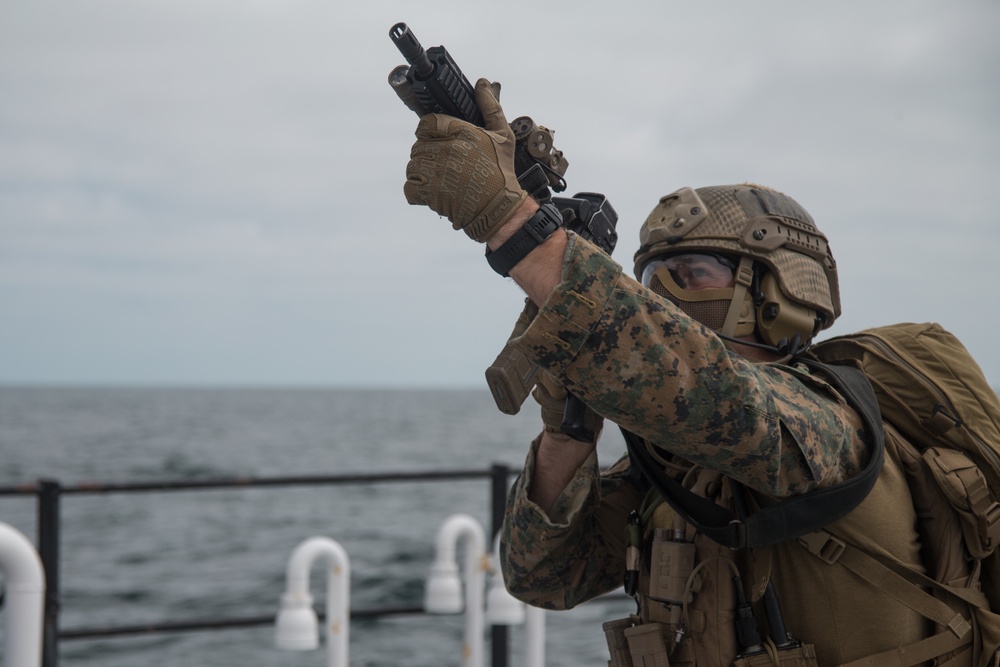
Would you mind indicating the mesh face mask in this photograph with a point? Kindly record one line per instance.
(711, 280)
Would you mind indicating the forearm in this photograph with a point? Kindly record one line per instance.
(636, 360)
(574, 551)
(558, 456)
(557, 460)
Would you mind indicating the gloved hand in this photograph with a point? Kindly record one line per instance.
(464, 172)
(551, 396)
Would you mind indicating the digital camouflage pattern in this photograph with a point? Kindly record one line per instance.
(640, 362)
(637, 360)
(577, 552)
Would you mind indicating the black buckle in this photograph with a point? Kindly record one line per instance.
(539, 227)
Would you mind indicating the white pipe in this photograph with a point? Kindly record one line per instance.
(534, 637)
(534, 617)
(476, 563)
(25, 598)
(501, 607)
(337, 592)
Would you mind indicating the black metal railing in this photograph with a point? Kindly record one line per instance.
(49, 494)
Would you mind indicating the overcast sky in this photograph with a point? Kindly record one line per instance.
(210, 191)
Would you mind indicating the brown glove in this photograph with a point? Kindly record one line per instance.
(551, 396)
(464, 172)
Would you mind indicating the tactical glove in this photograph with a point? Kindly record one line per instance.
(551, 395)
(464, 172)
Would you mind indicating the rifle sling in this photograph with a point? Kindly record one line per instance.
(790, 517)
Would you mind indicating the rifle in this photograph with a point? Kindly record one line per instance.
(431, 82)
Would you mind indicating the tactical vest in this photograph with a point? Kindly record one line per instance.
(852, 593)
(832, 617)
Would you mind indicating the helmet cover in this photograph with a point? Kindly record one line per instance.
(748, 221)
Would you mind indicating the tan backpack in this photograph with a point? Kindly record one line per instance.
(931, 391)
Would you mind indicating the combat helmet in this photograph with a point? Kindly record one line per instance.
(786, 278)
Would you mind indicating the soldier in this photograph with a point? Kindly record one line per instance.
(697, 359)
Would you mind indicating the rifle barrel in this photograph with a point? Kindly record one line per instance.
(410, 47)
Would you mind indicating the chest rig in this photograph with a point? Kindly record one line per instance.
(703, 535)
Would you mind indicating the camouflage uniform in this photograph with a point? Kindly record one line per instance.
(638, 361)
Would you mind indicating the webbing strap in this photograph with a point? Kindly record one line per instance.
(822, 543)
(913, 654)
(791, 517)
(984, 508)
(895, 586)
(744, 278)
(881, 576)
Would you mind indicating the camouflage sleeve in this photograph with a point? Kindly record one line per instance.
(642, 363)
(577, 551)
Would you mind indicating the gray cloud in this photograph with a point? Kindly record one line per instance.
(211, 192)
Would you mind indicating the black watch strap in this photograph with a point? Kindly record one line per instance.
(539, 227)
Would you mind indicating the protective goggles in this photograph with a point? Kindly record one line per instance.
(693, 270)
(703, 285)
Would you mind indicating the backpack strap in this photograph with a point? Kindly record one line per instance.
(790, 517)
(913, 654)
(910, 589)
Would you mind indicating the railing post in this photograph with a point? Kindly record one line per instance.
(500, 476)
(48, 550)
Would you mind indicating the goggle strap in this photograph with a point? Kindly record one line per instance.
(744, 278)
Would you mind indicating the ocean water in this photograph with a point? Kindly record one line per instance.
(167, 557)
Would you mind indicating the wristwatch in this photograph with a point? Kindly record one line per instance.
(539, 227)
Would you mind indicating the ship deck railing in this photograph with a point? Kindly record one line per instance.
(50, 493)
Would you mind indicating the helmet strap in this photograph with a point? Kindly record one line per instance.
(743, 281)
